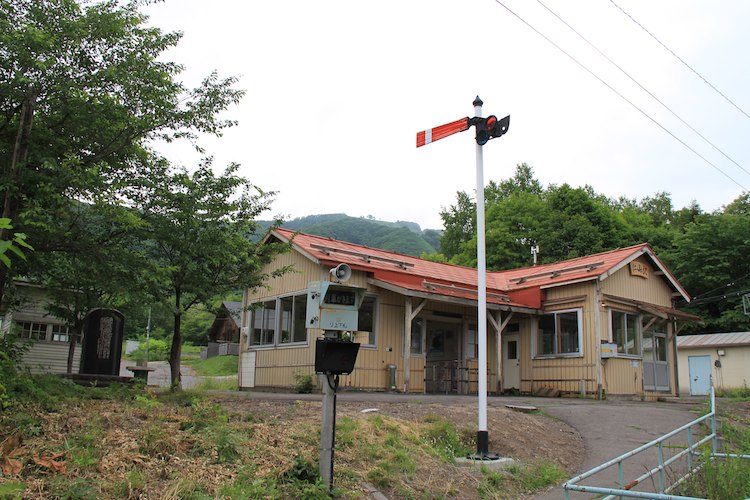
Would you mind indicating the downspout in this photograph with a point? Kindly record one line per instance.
(598, 332)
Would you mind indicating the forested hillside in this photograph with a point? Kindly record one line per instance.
(401, 237)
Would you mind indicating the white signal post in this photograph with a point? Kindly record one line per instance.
(426, 137)
(482, 432)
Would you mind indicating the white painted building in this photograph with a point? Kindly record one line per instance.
(721, 358)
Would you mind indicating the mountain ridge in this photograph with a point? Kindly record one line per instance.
(404, 237)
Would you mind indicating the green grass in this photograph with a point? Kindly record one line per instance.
(217, 366)
(212, 384)
(519, 480)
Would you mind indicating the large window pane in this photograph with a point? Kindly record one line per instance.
(546, 339)
(417, 329)
(299, 329)
(626, 333)
(567, 328)
(558, 333)
(287, 308)
(366, 319)
(264, 320)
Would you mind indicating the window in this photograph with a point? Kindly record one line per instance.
(33, 331)
(293, 312)
(559, 333)
(417, 334)
(472, 345)
(511, 352)
(264, 324)
(625, 332)
(366, 319)
(61, 333)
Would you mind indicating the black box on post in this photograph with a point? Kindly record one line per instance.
(335, 357)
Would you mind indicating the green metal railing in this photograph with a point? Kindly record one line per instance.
(659, 474)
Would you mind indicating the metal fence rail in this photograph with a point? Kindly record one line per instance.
(659, 474)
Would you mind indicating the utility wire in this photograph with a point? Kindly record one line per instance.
(641, 86)
(620, 95)
(680, 59)
(717, 298)
(728, 285)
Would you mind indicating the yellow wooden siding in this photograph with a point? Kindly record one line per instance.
(623, 376)
(566, 374)
(653, 290)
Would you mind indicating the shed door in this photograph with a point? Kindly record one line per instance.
(700, 375)
(511, 363)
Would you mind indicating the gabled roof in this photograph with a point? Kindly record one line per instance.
(713, 340)
(596, 266)
(419, 277)
(235, 311)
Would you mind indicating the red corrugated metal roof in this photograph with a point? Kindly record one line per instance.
(503, 287)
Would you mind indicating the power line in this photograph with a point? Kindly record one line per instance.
(727, 285)
(680, 59)
(620, 95)
(716, 298)
(641, 86)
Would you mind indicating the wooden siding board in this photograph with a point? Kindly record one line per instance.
(51, 357)
(653, 290)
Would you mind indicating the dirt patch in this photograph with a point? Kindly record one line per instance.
(110, 449)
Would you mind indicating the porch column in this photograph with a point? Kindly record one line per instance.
(499, 325)
(409, 314)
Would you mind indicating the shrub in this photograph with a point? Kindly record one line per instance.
(303, 384)
(158, 350)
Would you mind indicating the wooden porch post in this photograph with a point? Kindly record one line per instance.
(409, 314)
(499, 325)
(407, 343)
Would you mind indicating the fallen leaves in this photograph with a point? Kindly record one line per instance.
(50, 461)
(9, 449)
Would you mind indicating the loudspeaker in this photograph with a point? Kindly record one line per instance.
(342, 272)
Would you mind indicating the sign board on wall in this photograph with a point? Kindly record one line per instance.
(639, 269)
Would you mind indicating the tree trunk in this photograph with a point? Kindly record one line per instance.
(74, 334)
(20, 151)
(176, 350)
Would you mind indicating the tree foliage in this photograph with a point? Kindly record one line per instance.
(197, 233)
(706, 251)
(100, 90)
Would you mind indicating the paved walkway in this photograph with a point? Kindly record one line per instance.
(161, 376)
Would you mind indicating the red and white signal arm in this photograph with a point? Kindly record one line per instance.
(434, 134)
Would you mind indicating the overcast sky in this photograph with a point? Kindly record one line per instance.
(338, 89)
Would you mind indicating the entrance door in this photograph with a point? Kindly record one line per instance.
(700, 375)
(655, 366)
(511, 363)
(442, 356)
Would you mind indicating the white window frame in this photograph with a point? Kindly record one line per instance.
(277, 322)
(62, 331)
(41, 330)
(280, 314)
(537, 347)
(259, 306)
(639, 333)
